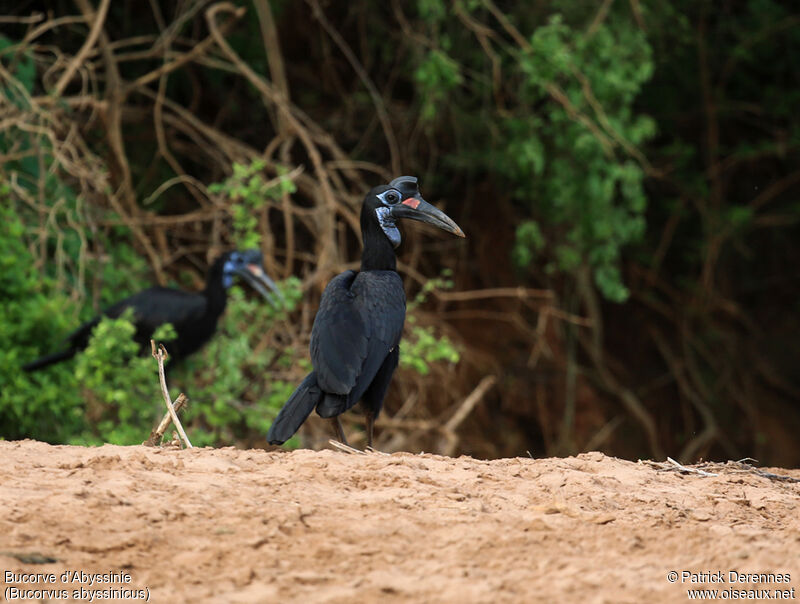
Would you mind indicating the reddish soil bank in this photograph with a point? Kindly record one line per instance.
(226, 525)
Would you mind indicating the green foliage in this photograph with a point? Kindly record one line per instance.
(34, 309)
(572, 162)
(63, 234)
(120, 384)
(432, 11)
(25, 74)
(420, 346)
(529, 241)
(249, 192)
(110, 392)
(164, 333)
(443, 281)
(48, 406)
(435, 77)
(590, 192)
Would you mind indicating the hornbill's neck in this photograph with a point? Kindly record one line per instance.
(215, 291)
(378, 254)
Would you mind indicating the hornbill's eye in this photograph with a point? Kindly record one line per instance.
(392, 197)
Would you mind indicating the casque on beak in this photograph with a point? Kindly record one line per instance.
(416, 208)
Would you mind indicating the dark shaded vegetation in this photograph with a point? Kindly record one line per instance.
(630, 183)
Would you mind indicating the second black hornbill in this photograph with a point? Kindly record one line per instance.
(193, 315)
(356, 334)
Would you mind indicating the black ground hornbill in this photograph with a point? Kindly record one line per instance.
(356, 333)
(193, 315)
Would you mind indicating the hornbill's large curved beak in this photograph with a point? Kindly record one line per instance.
(257, 279)
(417, 208)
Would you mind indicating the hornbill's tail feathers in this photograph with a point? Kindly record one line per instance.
(296, 410)
(50, 359)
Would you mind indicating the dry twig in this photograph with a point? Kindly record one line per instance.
(160, 355)
(346, 448)
(91, 39)
(741, 466)
(686, 470)
(157, 434)
(747, 467)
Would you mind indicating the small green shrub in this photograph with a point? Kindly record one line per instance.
(420, 346)
(46, 406)
(119, 384)
(250, 191)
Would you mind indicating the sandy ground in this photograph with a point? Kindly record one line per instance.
(226, 525)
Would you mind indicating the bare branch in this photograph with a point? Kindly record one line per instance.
(157, 434)
(160, 356)
(91, 39)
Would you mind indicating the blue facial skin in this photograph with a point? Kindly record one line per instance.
(235, 261)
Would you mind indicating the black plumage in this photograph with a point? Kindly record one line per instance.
(356, 334)
(193, 315)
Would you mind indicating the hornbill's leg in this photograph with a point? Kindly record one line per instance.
(339, 430)
(370, 425)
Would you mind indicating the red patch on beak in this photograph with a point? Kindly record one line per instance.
(411, 203)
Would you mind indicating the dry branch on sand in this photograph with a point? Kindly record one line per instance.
(160, 355)
(712, 469)
(158, 432)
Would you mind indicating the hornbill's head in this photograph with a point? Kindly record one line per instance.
(401, 199)
(247, 264)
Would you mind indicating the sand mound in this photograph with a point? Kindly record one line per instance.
(228, 525)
